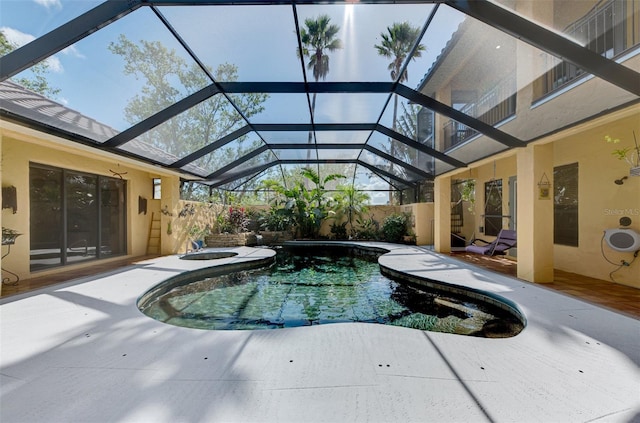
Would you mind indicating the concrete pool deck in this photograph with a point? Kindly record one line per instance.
(81, 351)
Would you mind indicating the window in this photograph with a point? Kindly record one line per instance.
(565, 205)
(157, 188)
(493, 207)
(75, 217)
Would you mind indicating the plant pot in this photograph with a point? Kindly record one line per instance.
(634, 171)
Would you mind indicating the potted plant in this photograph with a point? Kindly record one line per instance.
(232, 230)
(631, 155)
(197, 235)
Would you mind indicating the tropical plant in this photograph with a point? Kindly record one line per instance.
(394, 227)
(309, 206)
(631, 155)
(319, 202)
(397, 43)
(465, 191)
(350, 203)
(276, 219)
(339, 230)
(367, 229)
(318, 37)
(234, 221)
(197, 232)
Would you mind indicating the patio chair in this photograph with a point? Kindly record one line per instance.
(505, 240)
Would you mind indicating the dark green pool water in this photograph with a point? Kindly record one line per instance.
(314, 287)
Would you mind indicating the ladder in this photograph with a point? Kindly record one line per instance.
(153, 242)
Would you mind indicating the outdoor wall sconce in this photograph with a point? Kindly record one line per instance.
(10, 198)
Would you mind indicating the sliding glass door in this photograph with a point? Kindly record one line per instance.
(75, 217)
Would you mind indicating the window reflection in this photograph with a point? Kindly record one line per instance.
(45, 231)
(82, 214)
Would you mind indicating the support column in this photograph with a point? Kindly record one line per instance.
(442, 215)
(170, 198)
(535, 214)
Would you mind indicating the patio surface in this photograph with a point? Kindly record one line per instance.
(81, 351)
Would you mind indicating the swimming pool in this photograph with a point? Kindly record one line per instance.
(310, 286)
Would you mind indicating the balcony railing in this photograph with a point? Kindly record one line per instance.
(492, 108)
(604, 31)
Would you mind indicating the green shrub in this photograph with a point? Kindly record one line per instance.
(394, 227)
(276, 219)
(368, 229)
(234, 221)
(339, 230)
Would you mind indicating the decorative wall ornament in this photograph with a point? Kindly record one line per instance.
(188, 209)
(544, 187)
(118, 174)
(165, 211)
(142, 205)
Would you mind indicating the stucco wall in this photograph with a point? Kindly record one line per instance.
(421, 221)
(21, 146)
(601, 202)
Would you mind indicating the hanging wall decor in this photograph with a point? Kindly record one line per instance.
(544, 188)
(142, 205)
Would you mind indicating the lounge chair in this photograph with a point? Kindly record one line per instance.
(506, 239)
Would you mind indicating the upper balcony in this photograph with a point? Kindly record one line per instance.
(610, 28)
(493, 107)
(521, 87)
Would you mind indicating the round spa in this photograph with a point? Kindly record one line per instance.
(319, 285)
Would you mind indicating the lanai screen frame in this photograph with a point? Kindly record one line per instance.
(486, 12)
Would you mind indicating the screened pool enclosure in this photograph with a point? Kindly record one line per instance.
(230, 93)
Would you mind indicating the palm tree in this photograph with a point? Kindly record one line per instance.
(396, 44)
(309, 206)
(350, 202)
(318, 37)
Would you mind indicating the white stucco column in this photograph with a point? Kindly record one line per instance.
(535, 213)
(442, 214)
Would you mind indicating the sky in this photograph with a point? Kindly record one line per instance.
(260, 40)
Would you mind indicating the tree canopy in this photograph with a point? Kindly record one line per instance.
(37, 82)
(160, 68)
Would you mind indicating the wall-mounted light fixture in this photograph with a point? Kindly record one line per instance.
(10, 198)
